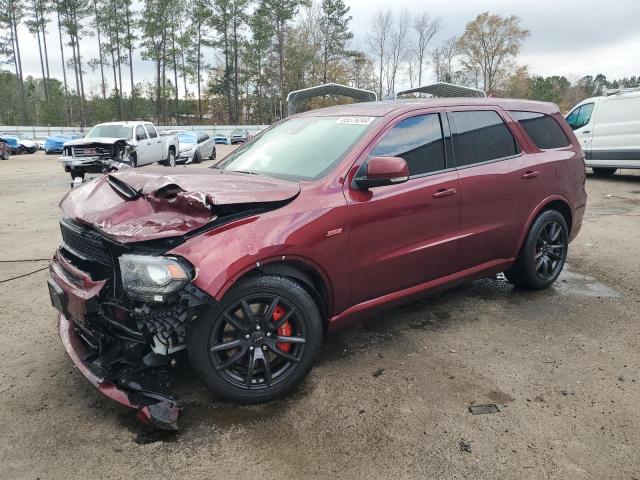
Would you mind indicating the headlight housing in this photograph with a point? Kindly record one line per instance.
(151, 277)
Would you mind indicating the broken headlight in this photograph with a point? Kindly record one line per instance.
(152, 277)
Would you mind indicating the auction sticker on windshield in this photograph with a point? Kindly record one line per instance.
(356, 120)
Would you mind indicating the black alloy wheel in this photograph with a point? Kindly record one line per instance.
(550, 250)
(260, 342)
(542, 254)
(246, 344)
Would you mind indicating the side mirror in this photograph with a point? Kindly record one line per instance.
(383, 171)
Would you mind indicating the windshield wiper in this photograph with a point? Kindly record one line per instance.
(123, 188)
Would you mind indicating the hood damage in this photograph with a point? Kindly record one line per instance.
(136, 205)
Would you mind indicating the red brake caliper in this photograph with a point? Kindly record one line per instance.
(284, 330)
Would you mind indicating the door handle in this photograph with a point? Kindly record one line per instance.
(531, 174)
(587, 131)
(444, 192)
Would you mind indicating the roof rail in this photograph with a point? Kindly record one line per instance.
(620, 91)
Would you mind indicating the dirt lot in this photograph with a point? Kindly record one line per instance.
(562, 365)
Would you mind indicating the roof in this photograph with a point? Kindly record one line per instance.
(298, 96)
(444, 89)
(381, 109)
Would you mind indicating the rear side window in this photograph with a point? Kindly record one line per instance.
(202, 137)
(418, 140)
(152, 130)
(543, 129)
(480, 136)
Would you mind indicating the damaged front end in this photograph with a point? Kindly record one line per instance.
(126, 302)
(123, 317)
(97, 157)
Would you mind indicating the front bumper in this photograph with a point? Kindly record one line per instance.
(116, 354)
(87, 164)
(161, 414)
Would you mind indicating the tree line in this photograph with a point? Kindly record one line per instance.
(235, 61)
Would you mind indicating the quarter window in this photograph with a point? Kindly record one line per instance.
(480, 136)
(543, 129)
(580, 116)
(418, 140)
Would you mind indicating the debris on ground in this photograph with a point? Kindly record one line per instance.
(465, 446)
(378, 372)
(481, 409)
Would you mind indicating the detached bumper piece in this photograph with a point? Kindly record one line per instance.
(135, 388)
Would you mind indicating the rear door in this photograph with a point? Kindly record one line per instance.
(497, 183)
(406, 234)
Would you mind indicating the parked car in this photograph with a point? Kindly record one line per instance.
(327, 216)
(27, 143)
(220, 139)
(12, 141)
(608, 128)
(194, 146)
(239, 136)
(5, 150)
(41, 141)
(55, 144)
(107, 144)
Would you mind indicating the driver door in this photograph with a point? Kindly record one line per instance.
(141, 140)
(406, 234)
(581, 121)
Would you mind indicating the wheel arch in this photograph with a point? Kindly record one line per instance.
(302, 270)
(555, 202)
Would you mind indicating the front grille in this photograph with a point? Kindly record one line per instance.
(85, 152)
(85, 243)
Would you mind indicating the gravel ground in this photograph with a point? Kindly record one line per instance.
(389, 397)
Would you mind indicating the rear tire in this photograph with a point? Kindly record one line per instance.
(543, 253)
(603, 171)
(247, 357)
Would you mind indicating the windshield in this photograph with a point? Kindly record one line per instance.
(110, 131)
(303, 148)
(186, 138)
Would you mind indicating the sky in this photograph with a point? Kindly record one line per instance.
(570, 38)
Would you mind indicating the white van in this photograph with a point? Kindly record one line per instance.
(608, 129)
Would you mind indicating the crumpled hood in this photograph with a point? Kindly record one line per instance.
(161, 205)
(85, 141)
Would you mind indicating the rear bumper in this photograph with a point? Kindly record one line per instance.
(162, 414)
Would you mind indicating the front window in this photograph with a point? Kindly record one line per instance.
(304, 148)
(579, 117)
(110, 131)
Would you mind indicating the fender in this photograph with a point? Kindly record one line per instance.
(274, 260)
(536, 211)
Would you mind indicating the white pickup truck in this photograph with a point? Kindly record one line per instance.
(108, 144)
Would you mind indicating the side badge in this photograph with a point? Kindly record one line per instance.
(335, 231)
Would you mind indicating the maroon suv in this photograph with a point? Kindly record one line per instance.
(323, 218)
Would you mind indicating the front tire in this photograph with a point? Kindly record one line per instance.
(197, 158)
(259, 343)
(543, 253)
(171, 161)
(603, 171)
